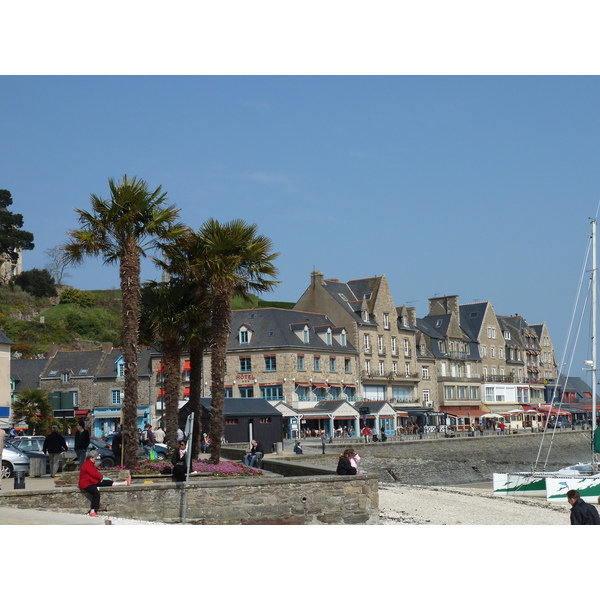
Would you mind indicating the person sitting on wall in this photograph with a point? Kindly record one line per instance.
(344, 465)
(298, 448)
(250, 458)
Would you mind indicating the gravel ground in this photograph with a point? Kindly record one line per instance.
(419, 505)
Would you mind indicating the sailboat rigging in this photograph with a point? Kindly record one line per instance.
(584, 477)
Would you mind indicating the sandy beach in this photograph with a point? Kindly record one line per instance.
(468, 505)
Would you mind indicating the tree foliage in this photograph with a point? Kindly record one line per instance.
(37, 282)
(12, 237)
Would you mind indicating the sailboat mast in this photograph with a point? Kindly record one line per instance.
(594, 311)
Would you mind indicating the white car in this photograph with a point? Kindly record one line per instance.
(13, 460)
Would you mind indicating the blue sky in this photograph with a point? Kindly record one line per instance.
(476, 186)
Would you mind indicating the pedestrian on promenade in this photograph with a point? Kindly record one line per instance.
(159, 435)
(117, 444)
(582, 513)
(323, 440)
(148, 441)
(90, 479)
(54, 446)
(2, 436)
(82, 442)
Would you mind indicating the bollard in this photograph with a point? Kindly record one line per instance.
(19, 477)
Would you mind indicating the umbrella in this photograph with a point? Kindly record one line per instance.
(515, 410)
(491, 416)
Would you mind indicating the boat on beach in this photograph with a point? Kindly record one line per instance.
(584, 476)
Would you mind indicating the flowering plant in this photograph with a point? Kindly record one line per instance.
(223, 469)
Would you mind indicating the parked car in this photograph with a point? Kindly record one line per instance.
(32, 446)
(13, 460)
(105, 454)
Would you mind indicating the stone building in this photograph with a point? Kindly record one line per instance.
(383, 334)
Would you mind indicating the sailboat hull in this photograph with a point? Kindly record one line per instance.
(587, 486)
(520, 484)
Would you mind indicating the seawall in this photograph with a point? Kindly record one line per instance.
(452, 461)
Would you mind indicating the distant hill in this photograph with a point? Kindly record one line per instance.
(33, 324)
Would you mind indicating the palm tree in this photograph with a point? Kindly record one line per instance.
(183, 262)
(236, 261)
(33, 407)
(163, 308)
(122, 229)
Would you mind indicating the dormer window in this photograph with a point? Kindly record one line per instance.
(328, 337)
(343, 338)
(386, 321)
(306, 335)
(244, 334)
(121, 367)
(65, 377)
(365, 316)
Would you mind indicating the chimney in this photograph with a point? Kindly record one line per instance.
(316, 278)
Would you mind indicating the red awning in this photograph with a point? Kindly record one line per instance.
(335, 385)
(298, 384)
(319, 385)
(81, 413)
(551, 410)
(473, 413)
(186, 366)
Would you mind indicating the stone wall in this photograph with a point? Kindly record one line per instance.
(233, 501)
(452, 461)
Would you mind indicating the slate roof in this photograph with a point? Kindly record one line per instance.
(273, 328)
(26, 372)
(79, 363)
(237, 407)
(351, 295)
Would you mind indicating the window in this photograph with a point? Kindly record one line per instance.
(231, 421)
(381, 368)
(365, 316)
(270, 363)
(442, 346)
(245, 364)
(331, 364)
(461, 392)
(386, 321)
(306, 335)
(492, 352)
(343, 338)
(425, 372)
(121, 369)
(243, 336)
(116, 397)
(380, 343)
(317, 363)
(449, 392)
(402, 394)
(328, 338)
(395, 368)
(247, 391)
(367, 342)
(406, 347)
(394, 343)
(75, 398)
(347, 365)
(300, 364)
(407, 369)
(473, 392)
(65, 377)
(272, 392)
(426, 398)
(368, 367)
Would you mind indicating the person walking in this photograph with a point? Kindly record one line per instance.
(582, 513)
(117, 444)
(82, 441)
(54, 446)
(148, 441)
(90, 479)
(2, 436)
(323, 440)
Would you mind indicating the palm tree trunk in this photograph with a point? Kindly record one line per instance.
(221, 321)
(196, 355)
(172, 374)
(130, 286)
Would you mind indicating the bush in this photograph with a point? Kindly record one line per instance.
(37, 282)
(82, 298)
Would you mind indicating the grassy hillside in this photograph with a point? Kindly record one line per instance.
(33, 324)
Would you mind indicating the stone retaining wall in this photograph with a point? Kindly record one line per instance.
(451, 461)
(233, 501)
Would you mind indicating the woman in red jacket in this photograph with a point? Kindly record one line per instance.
(90, 479)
